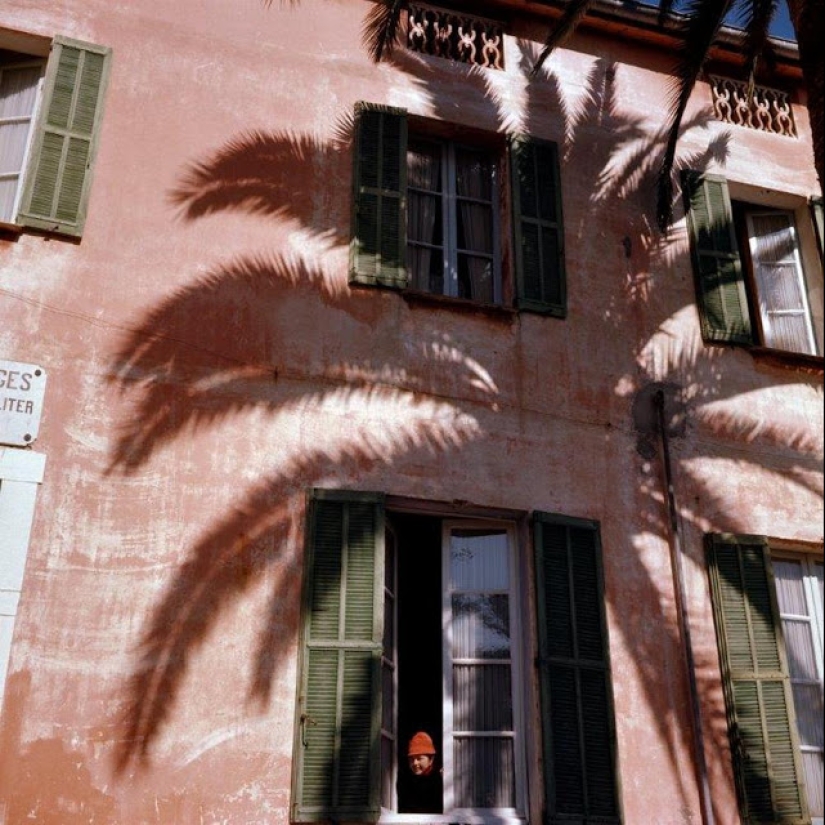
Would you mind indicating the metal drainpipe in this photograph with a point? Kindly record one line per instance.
(682, 617)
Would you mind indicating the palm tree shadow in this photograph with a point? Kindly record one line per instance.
(271, 174)
(237, 551)
(184, 379)
(186, 375)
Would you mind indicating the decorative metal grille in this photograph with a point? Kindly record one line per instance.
(767, 110)
(457, 37)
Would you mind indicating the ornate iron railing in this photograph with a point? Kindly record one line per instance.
(459, 37)
(767, 110)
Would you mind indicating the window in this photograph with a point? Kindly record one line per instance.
(21, 471)
(768, 611)
(415, 621)
(758, 281)
(50, 114)
(20, 83)
(428, 215)
(452, 223)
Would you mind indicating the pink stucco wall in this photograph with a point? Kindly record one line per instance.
(208, 363)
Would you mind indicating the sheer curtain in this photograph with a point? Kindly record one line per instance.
(483, 746)
(18, 93)
(779, 283)
(425, 259)
(796, 589)
(475, 226)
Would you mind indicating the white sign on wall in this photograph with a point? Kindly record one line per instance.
(22, 388)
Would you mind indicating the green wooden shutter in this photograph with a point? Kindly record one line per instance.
(58, 176)
(336, 773)
(379, 239)
(756, 684)
(538, 227)
(576, 696)
(720, 284)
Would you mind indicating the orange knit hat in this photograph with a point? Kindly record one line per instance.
(421, 744)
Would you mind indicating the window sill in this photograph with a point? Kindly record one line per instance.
(788, 360)
(10, 228)
(418, 298)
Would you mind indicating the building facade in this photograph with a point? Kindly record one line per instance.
(343, 399)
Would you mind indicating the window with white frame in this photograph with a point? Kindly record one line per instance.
(51, 106)
(21, 80)
(430, 209)
(415, 625)
(455, 670)
(767, 603)
(759, 275)
(452, 221)
(799, 593)
(780, 295)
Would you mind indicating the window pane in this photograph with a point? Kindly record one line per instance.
(799, 644)
(475, 227)
(8, 192)
(481, 626)
(790, 591)
(475, 279)
(814, 776)
(779, 282)
(18, 91)
(808, 706)
(474, 175)
(482, 698)
(484, 773)
(424, 166)
(478, 560)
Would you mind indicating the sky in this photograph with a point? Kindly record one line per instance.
(781, 26)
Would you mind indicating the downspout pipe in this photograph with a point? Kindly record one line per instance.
(676, 553)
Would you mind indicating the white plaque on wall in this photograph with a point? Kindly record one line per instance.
(22, 389)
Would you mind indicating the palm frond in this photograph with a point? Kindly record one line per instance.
(756, 20)
(573, 13)
(698, 31)
(665, 9)
(381, 28)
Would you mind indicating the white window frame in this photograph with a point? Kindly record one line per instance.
(24, 63)
(469, 816)
(813, 599)
(482, 815)
(449, 215)
(805, 309)
(21, 471)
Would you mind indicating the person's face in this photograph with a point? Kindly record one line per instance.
(421, 763)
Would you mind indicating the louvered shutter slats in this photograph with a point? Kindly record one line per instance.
(337, 743)
(380, 181)
(577, 708)
(756, 682)
(721, 296)
(57, 182)
(538, 226)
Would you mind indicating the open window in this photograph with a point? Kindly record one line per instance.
(758, 274)
(767, 603)
(418, 620)
(51, 102)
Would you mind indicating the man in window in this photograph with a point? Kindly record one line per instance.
(423, 788)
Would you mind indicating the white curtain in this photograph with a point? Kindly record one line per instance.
(483, 765)
(18, 93)
(423, 218)
(779, 283)
(475, 226)
(800, 640)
